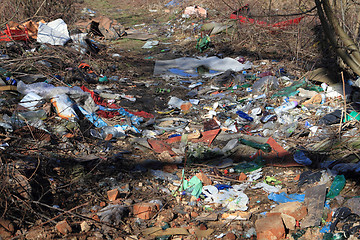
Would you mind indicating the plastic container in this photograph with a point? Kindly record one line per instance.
(64, 107)
(336, 187)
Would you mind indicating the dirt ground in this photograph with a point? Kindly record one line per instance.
(54, 178)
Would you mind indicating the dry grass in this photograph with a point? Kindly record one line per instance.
(22, 10)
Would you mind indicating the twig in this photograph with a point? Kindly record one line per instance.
(344, 95)
(75, 214)
(39, 8)
(227, 179)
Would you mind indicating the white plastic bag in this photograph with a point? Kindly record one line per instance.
(31, 101)
(54, 33)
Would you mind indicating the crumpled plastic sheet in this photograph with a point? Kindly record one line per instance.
(54, 33)
(112, 214)
(283, 197)
(266, 187)
(232, 198)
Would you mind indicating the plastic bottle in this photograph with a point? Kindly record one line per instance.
(264, 147)
(285, 107)
(336, 187)
(268, 117)
(116, 132)
(33, 115)
(244, 116)
(289, 129)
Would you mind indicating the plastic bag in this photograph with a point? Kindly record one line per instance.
(64, 107)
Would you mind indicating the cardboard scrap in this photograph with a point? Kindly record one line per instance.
(157, 231)
(203, 233)
(8, 88)
(315, 201)
(134, 34)
(160, 146)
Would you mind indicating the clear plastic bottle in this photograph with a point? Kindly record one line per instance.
(285, 107)
(116, 132)
(33, 115)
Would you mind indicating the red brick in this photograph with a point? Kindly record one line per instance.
(270, 228)
(230, 236)
(294, 209)
(113, 194)
(63, 227)
(145, 210)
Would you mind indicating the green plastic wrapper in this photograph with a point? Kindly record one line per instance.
(337, 185)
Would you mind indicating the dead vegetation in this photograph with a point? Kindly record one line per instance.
(38, 172)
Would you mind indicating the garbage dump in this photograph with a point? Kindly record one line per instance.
(146, 143)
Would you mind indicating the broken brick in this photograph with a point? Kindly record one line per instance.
(145, 210)
(242, 177)
(204, 179)
(270, 228)
(63, 227)
(294, 209)
(113, 194)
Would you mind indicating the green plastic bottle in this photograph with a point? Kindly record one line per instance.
(264, 147)
(337, 185)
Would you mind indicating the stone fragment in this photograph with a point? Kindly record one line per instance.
(205, 216)
(166, 216)
(289, 221)
(230, 236)
(354, 205)
(85, 227)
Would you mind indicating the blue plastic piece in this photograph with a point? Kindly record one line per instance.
(92, 117)
(244, 116)
(222, 186)
(283, 197)
(134, 119)
(326, 228)
(301, 158)
(174, 135)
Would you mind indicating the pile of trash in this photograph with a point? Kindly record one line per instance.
(210, 147)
